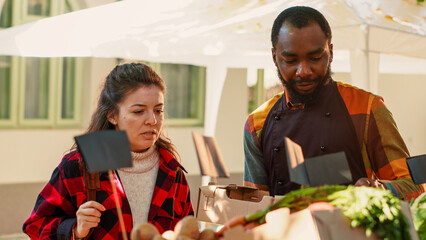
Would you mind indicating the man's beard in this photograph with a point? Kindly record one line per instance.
(296, 97)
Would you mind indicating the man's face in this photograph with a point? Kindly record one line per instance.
(303, 57)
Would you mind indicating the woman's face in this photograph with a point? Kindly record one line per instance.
(140, 114)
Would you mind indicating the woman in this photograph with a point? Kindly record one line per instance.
(154, 190)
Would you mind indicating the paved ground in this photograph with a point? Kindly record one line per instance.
(17, 236)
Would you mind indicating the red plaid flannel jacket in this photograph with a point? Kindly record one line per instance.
(54, 214)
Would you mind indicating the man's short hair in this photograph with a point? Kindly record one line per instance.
(299, 17)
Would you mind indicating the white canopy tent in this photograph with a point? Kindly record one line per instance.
(220, 34)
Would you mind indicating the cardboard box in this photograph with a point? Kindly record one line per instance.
(218, 203)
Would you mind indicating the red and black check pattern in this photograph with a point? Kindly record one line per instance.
(54, 214)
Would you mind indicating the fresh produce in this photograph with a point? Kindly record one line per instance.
(418, 212)
(159, 237)
(235, 221)
(187, 226)
(375, 209)
(320, 206)
(297, 200)
(169, 234)
(144, 231)
(183, 237)
(185, 229)
(208, 234)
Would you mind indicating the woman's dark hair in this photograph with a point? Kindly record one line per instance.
(122, 80)
(299, 17)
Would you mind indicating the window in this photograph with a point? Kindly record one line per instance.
(38, 92)
(68, 89)
(5, 87)
(6, 14)
(8, 92)
(38, 7)
(266, 86)
(185, 94)
(36, 89)
(48, 92)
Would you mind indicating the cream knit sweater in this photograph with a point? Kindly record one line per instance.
(139, 182)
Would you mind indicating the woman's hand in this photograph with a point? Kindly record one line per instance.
(88, 216)
(370, 183)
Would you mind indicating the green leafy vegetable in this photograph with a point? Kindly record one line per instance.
(297, 200)
(375, 209)
(418, 212)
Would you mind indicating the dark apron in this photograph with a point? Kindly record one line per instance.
(320, 128)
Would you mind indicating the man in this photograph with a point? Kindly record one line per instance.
(321, 115)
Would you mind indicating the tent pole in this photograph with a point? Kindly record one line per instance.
(365, 65)
(215, 79)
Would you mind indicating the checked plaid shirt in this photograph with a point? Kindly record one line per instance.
(383, 150)
(54, 214)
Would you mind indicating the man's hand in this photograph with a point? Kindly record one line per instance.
(88, 216)
(370, 183)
